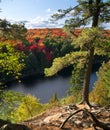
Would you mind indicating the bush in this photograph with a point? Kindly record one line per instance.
(54, 101)
(101, 91)
(9, 100)
(29, 107)
(100, 94)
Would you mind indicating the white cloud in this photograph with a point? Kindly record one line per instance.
(40, 22)
(106, 25)
(48, 10)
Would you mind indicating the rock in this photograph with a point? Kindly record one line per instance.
(79, 123)
(52, 118)
(14, 127)
(87, 124)
(2, 122)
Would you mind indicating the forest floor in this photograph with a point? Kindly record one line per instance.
(82, 119)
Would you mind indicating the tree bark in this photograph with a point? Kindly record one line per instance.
(85, 93)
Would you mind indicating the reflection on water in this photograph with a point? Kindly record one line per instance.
(44, 88)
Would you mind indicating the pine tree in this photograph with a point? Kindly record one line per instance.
(96, 12)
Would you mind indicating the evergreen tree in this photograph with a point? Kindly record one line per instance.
(96, 12)
(101, 91)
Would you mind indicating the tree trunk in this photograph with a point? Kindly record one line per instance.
(85, 93)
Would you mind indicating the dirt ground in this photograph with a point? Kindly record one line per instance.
(54, 118)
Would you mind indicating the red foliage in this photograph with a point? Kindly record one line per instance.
(48, 56)
(32, 47)
(42, 33)
(3, 39)
(20, 47)
(33, 33)
(41, 40)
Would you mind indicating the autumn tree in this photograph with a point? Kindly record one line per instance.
(11, 61)
(87, 11)
(11, 65)
(16, 31)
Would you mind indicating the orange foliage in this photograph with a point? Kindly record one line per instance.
(41, 33)
(33, 33)
(106, 33)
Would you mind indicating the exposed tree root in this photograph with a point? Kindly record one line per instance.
(62, 125)
(87, 104)
(96, 122)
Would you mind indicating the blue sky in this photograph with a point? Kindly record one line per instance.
(35, 13)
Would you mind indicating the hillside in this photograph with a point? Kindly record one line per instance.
(70, 117)
(33, 33)
(82, 118)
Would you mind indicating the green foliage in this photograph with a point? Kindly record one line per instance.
(96, 12)
(9, 100)
(54, 101)
(71, 99)
(76, 82)
(61, 62)
(93, 37)
(104, 75)
(101, 91)
(84, 12)
(9, 31)
(100, 94)
(11, 62)
(18, 31)
(87, 39)
(35, 62)
(102, 45)
(78, 75)
(16, 107)
(29, 107)
(58, 45)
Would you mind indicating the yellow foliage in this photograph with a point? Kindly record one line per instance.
(30, 106)
(100, 94)
(73, 98)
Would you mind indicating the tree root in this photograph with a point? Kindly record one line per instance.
(87, 104)
(62, 125)
(96, 122)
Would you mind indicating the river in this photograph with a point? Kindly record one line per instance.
(43, 88)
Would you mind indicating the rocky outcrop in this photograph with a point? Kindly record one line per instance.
(72, 117)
